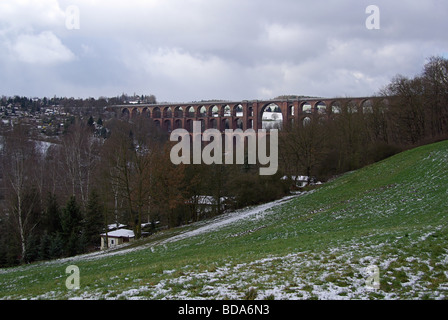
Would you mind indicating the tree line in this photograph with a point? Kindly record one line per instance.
(56, 201)
(406, 113)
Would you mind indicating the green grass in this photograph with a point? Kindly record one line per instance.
(393, 214)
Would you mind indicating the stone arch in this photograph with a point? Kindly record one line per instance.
(178, 124)
(156, 113)
(135, 113)
(178, 112)
(189, 125)
(189, 112)
(320, 107)
(238, 110)
(366, 106)
(213, 111)
(226, 111)
(213, 123)
(125, 114)
(167, 113)
(202, 112)
(167, 125)
(146, 113)
(238, 124)
(351, 107)
(225, 124)
(306, 107)
(335, 107)
(271, 116)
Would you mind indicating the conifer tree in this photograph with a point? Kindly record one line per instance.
(93, 224)
(52, 215)
(71, 226)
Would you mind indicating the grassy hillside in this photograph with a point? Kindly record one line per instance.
(317, 245)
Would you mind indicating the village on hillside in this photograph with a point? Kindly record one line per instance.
(49, 118)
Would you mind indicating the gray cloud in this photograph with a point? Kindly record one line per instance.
(182, 50)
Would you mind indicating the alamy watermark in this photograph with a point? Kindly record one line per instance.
(373, 20)
(212, 153)
(72, 18)
(373, 277)
(73, 280)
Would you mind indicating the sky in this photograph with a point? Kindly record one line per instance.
(191, 50)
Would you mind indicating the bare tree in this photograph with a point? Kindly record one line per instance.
(302, 146)
(19, 162)
(407, 110)
(168, 186)
(418, 108)
(79, 156)
(129, 154)
(435, 93)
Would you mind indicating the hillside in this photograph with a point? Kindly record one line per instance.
(314, 245)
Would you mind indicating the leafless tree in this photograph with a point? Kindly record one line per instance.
(302, 146)
(79, 152)
(128, 169)
(19, 162)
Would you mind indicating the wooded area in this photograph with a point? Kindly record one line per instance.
(56, 203)
(408, 113)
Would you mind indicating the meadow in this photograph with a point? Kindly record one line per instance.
(316, 244)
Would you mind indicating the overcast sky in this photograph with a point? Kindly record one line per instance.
(188, 50)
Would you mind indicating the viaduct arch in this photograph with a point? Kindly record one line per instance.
(244, 115)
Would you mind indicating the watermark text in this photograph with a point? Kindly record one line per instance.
(72, 282)
(72, 18)
(373, 277)
(373, 20)
(212, 153)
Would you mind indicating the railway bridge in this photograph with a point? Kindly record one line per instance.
(247, 114)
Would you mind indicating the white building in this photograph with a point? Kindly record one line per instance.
(116, 237)
(117, 234)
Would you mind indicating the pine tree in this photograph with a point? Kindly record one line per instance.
(72, 245)
(93, 224)
(32, 248)
(52, 215)
(44, 247)
(56, 249)
(71, 225)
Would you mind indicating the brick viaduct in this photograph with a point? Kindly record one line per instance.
(244, 115)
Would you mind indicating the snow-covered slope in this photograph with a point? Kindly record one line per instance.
(378, 233)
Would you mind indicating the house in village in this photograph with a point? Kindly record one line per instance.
(118, 235)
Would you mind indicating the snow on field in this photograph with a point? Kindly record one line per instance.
(226, 219)
(201, 228)
(339, 272)
(295, 276)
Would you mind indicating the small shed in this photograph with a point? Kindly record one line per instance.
(116, 237)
